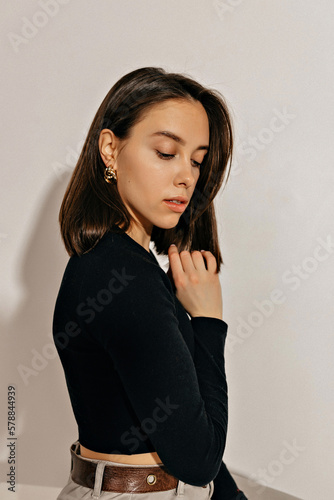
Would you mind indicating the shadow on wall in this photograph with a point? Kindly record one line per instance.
(256, 491)
(45, 425)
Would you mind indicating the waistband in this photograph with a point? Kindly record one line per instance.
(103, 475)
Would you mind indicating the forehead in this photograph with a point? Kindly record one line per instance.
(179, 115)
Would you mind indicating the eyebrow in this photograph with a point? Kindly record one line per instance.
(176, 138)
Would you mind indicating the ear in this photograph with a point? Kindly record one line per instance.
(108, 143)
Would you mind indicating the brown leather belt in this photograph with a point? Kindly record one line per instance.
(122, 478)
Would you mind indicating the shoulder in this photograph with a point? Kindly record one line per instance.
(116, 262)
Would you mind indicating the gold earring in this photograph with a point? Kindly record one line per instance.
(110, 174)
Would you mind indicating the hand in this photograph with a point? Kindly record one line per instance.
(197, 286)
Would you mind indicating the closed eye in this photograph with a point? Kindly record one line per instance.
(166, 156)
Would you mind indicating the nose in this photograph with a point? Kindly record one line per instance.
(185, 172)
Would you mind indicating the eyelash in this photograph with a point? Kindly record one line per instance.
(165, 156)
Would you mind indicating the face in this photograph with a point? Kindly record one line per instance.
(160, 161)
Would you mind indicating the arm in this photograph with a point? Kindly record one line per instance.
(181, 403)
(225, 488)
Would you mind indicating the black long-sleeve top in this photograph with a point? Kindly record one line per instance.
(141, 375)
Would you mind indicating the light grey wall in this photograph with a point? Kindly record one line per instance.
(274, 63)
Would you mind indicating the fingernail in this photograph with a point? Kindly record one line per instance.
(202, 250)
(172, 245)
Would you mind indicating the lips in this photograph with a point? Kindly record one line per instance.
(176, 207)
(182, 199)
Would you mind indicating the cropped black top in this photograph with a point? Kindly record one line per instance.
(142, 375)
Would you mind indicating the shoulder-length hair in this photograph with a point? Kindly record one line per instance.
(91, 206)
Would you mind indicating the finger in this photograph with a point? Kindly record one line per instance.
(198, 260)
(187, 262)
(211, 262)
(174, 261)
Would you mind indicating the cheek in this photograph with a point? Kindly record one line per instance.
(142, 184)
(196, 175)
(153, 178)
(144, 177)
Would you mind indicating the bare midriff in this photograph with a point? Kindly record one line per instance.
(138, 459)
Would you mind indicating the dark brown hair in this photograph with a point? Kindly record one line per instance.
(91, 206)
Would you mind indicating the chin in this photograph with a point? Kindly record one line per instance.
(166, 225)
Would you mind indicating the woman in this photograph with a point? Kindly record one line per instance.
(142, 350)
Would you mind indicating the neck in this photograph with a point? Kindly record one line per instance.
(140, 236)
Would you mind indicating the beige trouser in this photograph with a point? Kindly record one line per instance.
(73, 491)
